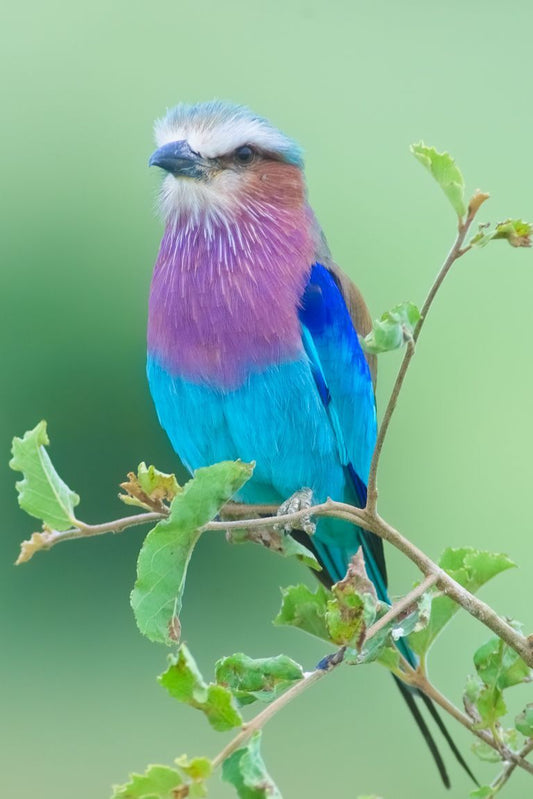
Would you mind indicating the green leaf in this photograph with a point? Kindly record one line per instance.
(246, 771)
(184, 682)
(512, 739)
(353, 605)
(199, 768)
(471, 568)
(276, 541)
(149, 488)
(158, 782)
(517, 232)
(416, 617)
(483, 792)
(262, 678)
(390, 658)
(491, 707)
(393, 329)
(380, 646)
(524, 721)
(485, 752)
(162, 782)
(42, 493)
(499, 665)
(345, 618)
(472, 690)
(304, 609)
(166, 551)
(446, 173)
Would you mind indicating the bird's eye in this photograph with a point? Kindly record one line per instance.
(244, 154)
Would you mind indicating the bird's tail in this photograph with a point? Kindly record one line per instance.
(334, 563)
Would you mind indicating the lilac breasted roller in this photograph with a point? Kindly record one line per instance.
(253, 334)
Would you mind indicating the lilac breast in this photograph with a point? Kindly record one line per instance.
(224, 296)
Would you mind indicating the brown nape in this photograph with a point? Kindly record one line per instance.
(276, 182)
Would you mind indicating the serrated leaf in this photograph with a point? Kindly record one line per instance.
(344, 618)
(499, 665)
(41, 492)
(515, 231)
(524, 721)
(158, 782)
(261, 678)
(246, 771)
(149, 488)
(166, 551)
(184, 682)
(276, 541)
(471, 568)
(353, 605)
(393, 329)
(304, 609)
(446, 173)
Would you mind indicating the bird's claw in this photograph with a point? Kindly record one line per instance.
(300, 500)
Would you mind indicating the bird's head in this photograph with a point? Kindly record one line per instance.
(221, 158)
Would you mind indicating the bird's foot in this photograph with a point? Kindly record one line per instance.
(300, 500)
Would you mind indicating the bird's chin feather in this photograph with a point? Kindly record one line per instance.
(216, 198)
(226, 192)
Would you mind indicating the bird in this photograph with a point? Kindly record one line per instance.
(254, 333)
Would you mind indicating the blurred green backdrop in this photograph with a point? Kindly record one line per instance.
(356, 83)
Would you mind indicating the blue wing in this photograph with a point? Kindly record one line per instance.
(344, 383)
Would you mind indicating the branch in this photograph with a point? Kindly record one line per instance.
(476, 607)
(455, 253)
(362, 518)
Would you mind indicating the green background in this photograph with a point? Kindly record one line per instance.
(355, 83)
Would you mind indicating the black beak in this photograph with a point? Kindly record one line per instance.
(177, 158)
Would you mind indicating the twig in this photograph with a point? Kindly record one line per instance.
(49, 538)
(502, 778)
(261, 719)
(418, 679)
(239, 510)
(455, 253)
(403, 604)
